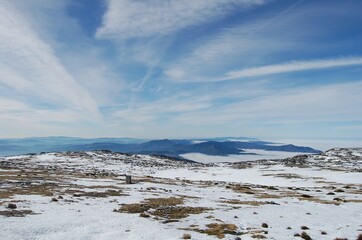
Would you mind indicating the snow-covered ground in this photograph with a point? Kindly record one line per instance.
(84, 196)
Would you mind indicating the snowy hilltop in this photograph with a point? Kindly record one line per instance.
(84, 195)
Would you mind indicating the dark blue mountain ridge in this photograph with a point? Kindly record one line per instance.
(213, 148)
(266, 146)
(225, 139)
(166, 147)
(162, 147)
(164, 144)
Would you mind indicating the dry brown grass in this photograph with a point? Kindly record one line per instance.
(33, 175)
(284, 175)
(354, 200)
(321, 201)
(289, 194)
(178, 212)
(258, 236)
(163, 208)
(157, 202)
(219, 230)
(43, 190)
(262, 193)
(267, 195)
(216, 229)
(108, 193)
(45, 182)
(133, 208)
(326, 182)
(242, 189)
(16, 213)
(150, 203)
(144, 215)
(238, 202)
(354, 191)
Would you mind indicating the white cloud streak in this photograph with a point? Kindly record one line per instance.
(250, 48)
(294, 66)
(129, 19)
(30, 67)
(217, 54)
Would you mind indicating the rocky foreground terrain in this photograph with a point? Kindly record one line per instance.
(84, 195)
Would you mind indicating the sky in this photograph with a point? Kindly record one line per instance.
(271, 69)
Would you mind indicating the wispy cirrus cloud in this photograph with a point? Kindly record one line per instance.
(29, 66)
(131, 19)
(215, 55)
(142, 72)
(334, 102)
(248, 43)
(293, 66)
(304, 111)
(262, 45)
(144, 31)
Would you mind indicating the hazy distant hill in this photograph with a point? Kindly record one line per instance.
(212, 146)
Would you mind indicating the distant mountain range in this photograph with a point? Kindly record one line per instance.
(172, 148)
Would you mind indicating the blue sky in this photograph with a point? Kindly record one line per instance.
(181, 68)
